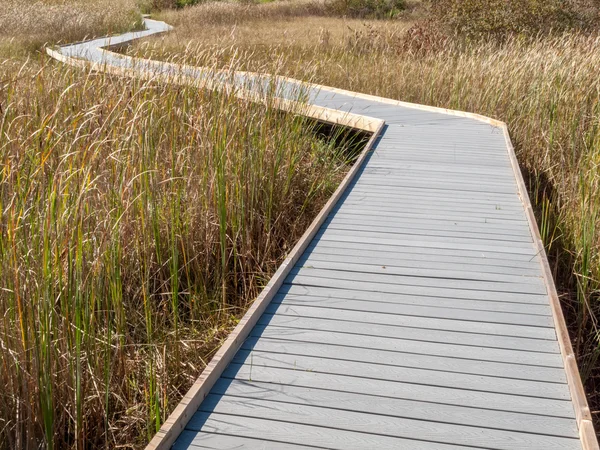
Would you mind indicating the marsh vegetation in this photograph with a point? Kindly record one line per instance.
(139, 219)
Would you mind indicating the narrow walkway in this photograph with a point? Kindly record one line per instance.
(418, 314)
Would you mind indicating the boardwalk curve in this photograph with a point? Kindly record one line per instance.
(418, 310)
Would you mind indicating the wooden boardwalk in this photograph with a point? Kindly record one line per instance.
(416, 313)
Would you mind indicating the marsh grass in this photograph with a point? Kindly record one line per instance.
(545, 87)
(25, 26)
(138, 221)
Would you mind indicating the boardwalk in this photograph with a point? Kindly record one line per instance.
(417, 313)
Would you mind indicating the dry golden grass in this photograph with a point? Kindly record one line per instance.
(25, 26)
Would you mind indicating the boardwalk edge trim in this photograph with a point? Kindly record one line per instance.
(178, 419)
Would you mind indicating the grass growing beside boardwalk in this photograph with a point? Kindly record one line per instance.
(544, 85)
(138, 220)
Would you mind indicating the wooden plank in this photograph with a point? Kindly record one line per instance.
(354, 348)
(526, 266)
(367, 180)
(201, 440)
(393, 407)
(434, 193)
(480, 244)
(381, 425)
(394, 389)
(427, 341)
(449, 160)
(495, 247)
(427, 291)
(435, 202)
(428, 208)
(402, 231)
(410, 375)
(439, 156)
(426, 247)
(401, 211)
(379, 163)
(416, 310)
(290, 291)
(360, 265)
(413, 223)
(397, 176)
(417, 322)
(427, 215)
(387, 277)
(299, 434)
(424, 209)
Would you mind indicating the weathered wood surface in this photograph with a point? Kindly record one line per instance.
(417, 312)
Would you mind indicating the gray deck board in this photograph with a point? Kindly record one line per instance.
(353, 348)
(481, 346)
(317, 294)
(428, 253)
(449, 272)
(437, 281)
(481, 349)
(417, 317)
(301, 434)
(419, 310)
(202, 440)
(425, 246)
(410, 225)
(431, 291)
(393, 407)
(398, 389)
(429, 215)
(418, 262)
(379, 425)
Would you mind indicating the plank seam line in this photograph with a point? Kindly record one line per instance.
(416, 328)
(413, 383)
(226, 376)
(308, 285)
(309, 266)
(408, 417)
(253, 350)
(400, 303)
(425, 316)
(254, 439)
(390, 283)
(422, 340)
(356, 431)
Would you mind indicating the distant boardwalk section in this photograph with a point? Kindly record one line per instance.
(417, 312)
